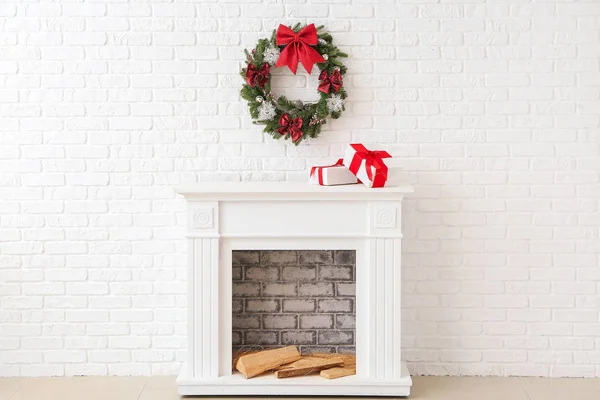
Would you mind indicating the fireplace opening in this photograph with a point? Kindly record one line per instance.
(301, 298)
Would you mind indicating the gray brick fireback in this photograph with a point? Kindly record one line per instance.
(305, 298)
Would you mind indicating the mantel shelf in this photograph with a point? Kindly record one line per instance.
(243, 191)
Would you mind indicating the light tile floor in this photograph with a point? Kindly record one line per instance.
(424, 388)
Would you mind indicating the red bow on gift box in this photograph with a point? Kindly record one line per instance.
(327, 81)
(319, 169)
(373, 159)
(291, 127)
(254, 76)
(297, 47)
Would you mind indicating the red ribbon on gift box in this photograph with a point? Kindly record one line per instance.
(372, 159)
(319, 170)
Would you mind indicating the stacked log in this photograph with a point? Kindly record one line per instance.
(255, 364)
(287, 362)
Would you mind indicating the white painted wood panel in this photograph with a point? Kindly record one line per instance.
(293, 218)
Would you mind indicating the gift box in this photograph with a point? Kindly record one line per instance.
(367, 165)
(329, 175)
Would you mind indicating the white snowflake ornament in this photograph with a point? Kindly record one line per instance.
(266, 111)
(335, 103)
(271, 55)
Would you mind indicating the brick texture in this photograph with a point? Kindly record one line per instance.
(305, 298)
(491, 110)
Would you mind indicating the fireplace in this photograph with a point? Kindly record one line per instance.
(224, 218)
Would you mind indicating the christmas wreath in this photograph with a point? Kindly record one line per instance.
(287, 46)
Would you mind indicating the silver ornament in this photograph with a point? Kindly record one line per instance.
(259, 99)
(325, 57)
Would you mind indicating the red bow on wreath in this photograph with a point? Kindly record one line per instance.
(254, 76)
(291, 127)
(327, 81)
(297, 47)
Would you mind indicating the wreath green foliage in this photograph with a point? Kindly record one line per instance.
(309, 112)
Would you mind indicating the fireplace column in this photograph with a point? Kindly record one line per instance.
(382, 308)
(203, 289)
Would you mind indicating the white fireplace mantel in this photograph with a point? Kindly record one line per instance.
(227, 216)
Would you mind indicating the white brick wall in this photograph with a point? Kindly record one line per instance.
(491, 108)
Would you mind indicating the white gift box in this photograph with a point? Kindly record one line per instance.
(366, 165)
(331, 175)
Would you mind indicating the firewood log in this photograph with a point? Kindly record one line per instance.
(255, 364)
(308, 365)
(338, 372)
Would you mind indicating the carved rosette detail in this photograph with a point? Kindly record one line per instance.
(385, 218)
(203, 218)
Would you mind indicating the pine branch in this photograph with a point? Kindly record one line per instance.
(326, 37)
